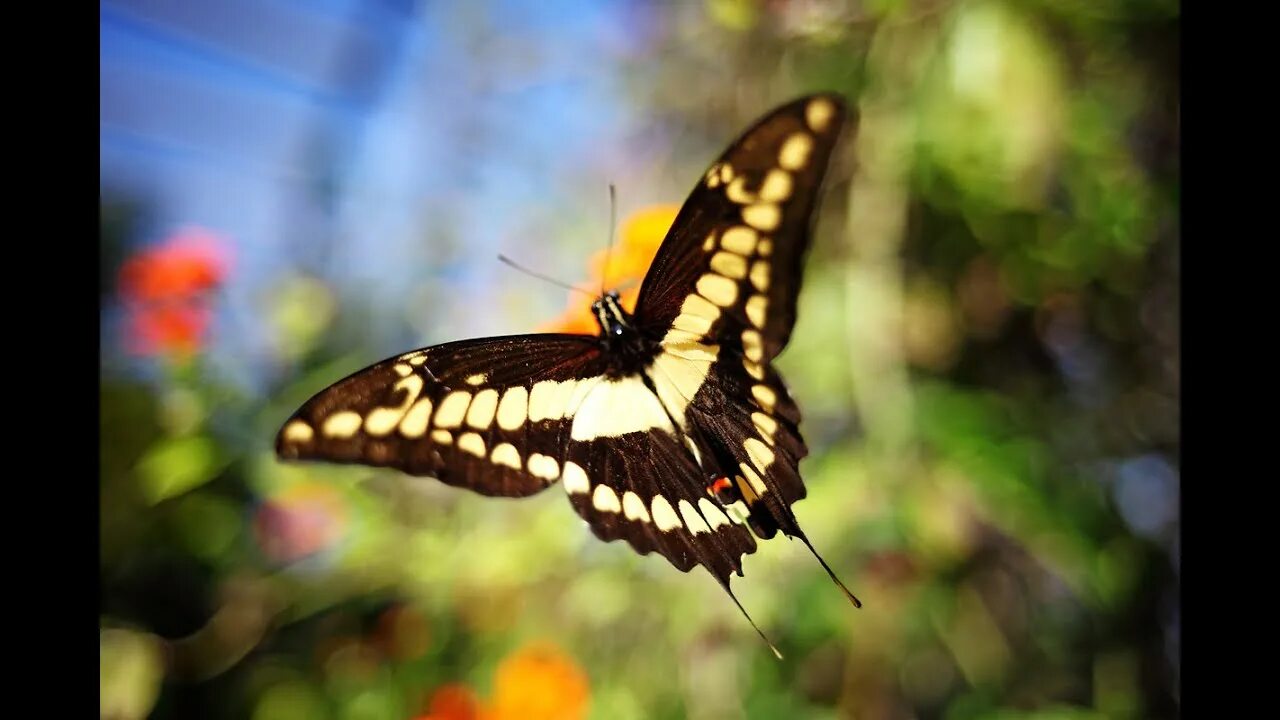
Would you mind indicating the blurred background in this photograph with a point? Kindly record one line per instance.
(987, 356)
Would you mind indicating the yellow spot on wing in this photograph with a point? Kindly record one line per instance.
(483, 407)
(452, 409)
(617, 407)
(544, 466)
(477, 379)
(698, 306)
(693, 449)
(664, 516)
(765, 424)
(762, 216)
(506, 454)
(442, 437)
(692, 519)
(795, 151)
(382, 421)
(756, 483)
(756, 305)
(677, 374)
(605, 499)
(342, 424)
(729, 264)
(776, 186)
(415, 421)
(697, 352)
(737, 191)
(514, 408)
(760, 275)
(818, 114)
(751, 345)
(714, 517)
(765, 396)
(575, 479)
(471, 443)
(759, 453)
(549, 400)
(696, 325)
(633, 507)
(403, 370)
(739, 239)
(718, 289)
(298, 431)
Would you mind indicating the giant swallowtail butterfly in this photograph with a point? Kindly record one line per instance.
(670, 429)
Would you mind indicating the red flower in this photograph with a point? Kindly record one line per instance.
(300, 521)
(166, 289)
(453, 702)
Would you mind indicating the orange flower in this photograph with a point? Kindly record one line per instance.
(639, 238)
(166, 289)
(536, 682)
(539, 682)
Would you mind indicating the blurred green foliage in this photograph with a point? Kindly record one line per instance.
(987, 360)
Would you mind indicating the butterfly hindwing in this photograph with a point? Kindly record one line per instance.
(646, 488)
(491, 415)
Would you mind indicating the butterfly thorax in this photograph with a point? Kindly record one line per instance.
(627, 347)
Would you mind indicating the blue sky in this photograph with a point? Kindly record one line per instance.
(343, 137)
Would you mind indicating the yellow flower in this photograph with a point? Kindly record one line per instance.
(639, 238)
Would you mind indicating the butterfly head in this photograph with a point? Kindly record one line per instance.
(613, 319)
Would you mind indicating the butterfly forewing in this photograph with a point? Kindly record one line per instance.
(740, 239)
(490, 415)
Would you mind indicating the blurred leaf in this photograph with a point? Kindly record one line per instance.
(291, 700)
(301, 309)
(178, 465)
(733, 14)
(207, 525)
(131, 668)
(991, 114)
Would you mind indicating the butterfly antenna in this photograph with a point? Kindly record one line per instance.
(508, 261)
(725, 584)
(613, 225)
(852, 598)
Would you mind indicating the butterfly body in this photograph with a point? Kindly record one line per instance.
(670, 429)
(625, 347)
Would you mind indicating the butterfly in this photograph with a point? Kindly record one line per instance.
(670, 429)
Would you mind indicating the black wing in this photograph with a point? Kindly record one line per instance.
(721, 295)
(741, 237)
(491, 415)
